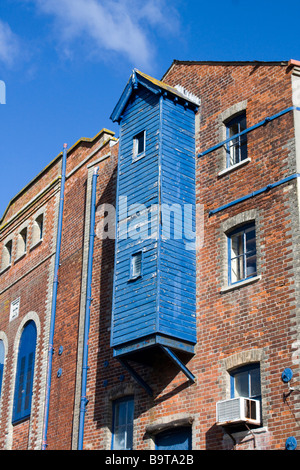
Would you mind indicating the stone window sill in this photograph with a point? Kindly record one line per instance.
(246, 282)
(234, 167)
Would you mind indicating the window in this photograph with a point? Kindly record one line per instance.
(123, 424)
(7, 254)
(136, 265)
(242, 254)
(37, 229)
(2, 355)
(245, 382)
(25, 371)
(22, 243)
(139, 144)
(236, 148)
(174, 439)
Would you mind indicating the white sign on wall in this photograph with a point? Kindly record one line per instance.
(14, 309)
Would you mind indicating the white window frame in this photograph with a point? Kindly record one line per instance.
(137, 155)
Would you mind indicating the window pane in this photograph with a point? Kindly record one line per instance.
(234, 145)
(236, 245)
(237, 269)
(250, 240)
(123, 425)
(140, 143)
(237, 259)
(237, 147)
(246, 382)
(243, 254)
(120, 417)
(251, 266)
(136, 265)
(251, 252)
(241, 384)
(129, 436)
(119, 440)
(255, 382)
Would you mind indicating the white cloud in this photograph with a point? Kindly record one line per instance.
(122, 26)
(9, 44)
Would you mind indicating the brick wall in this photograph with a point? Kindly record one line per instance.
(256, 322)
(69, 324)
(29, 278)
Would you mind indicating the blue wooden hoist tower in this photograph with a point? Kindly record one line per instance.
(154, 298)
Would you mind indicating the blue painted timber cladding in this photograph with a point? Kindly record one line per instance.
(177, 279)
(162, 301)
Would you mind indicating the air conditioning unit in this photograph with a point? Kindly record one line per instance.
(238, 410)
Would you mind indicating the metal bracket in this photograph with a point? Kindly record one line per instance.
(171, 355)
(136, 376)
(179, 363)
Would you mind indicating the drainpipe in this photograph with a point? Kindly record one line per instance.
(83, 399)
(54, 297)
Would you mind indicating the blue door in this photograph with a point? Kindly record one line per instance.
(176, 439)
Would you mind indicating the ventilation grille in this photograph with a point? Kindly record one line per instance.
(238, 410)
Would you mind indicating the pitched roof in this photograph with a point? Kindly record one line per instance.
(154, 85)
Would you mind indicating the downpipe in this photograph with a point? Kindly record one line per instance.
(54, 297)
(83, 399)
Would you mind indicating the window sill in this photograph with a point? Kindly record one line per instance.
(251, 280)
(234, 167)
(36, 244)
(135, 158)
(6, 268)
(21, 256)
(132, 279)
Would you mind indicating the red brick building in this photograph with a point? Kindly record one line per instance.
(247, 134)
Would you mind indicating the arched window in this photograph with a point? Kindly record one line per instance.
(38, 229)
(25, 370)
(7, 255)
(2, 357)
(22, 243)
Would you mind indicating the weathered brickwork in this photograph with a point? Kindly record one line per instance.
(255, 321)
(30, 278)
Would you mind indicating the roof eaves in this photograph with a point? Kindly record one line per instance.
(52, 162)
(152, 84)
(224, 63)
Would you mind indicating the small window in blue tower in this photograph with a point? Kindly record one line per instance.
(136, 265)
(139, 144)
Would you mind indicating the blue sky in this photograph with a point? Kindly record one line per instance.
(65, 62)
